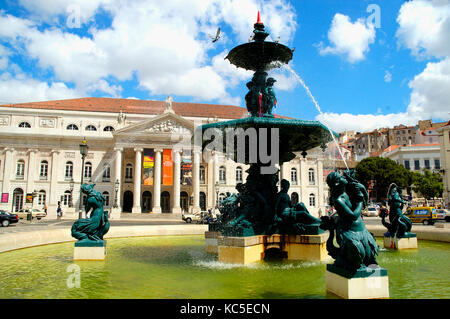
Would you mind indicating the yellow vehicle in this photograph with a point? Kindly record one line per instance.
(424, 215)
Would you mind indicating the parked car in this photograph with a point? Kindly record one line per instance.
(35, 213)
(371, 211)
(424, 215)
(189, 218)
(6, 218)
(443, 214)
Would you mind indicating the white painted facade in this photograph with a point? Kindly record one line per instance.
(45, 157)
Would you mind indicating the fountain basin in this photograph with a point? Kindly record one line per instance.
(169, 266)
(294, 135)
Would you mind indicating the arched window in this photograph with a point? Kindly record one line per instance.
(90, 128)
(106, 173)
(41, 198)
(25, 125)
(69, 170)
(238, 174)
(294, 198)
(20, 169)
(312, 178)
(312, 200)
(129, 171)
(43, 171)
(294, 179)
(108, 129)
(106, 196)
(72, 127)
(67, 200)
(88, 170)
(222, 175)
(202, 175)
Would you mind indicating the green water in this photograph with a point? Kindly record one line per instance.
(178, 267)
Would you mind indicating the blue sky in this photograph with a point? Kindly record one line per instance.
(369, 63)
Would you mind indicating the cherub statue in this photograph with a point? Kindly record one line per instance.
(97, 225)
(270, 98)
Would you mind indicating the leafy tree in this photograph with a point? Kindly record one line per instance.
(428, 184)
(383, 171)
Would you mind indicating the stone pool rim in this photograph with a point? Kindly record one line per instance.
(14, 241)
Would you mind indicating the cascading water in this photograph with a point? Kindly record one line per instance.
(308, 91)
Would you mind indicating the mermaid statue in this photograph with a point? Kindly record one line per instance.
(399, 225)
(92, 229)
(357, 247)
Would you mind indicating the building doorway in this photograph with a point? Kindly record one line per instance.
(17, 199)
(202, 201)
(127, 201)
(165, 202)
(146, 202)
(184, 201)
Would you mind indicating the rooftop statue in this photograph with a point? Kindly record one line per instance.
(399, 225)
(357, 247)
(92, 229)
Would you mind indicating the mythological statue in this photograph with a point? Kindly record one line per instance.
(357, 247)
(270, 98)
(97, 225)
(399, 225)
(288, 219)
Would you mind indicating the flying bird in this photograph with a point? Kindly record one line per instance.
(215, 38)
(293, 49)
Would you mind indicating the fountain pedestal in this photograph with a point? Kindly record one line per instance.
(359, 285)
(249, 249)
(90, 250)
(409, 241)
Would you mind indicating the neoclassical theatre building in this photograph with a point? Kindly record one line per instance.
(133, 157)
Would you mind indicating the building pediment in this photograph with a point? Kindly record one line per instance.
(165, 124)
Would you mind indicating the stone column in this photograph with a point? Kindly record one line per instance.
(196, 179)
(115, 211)
(8, 169)
(176, 209)
(303, 182)
(31, 172)
(137, 181)
(53, 194)
(157, 183)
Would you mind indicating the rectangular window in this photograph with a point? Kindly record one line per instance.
(416, 165)
(427, 164)
(202, 175)
(437, 164)
(407, 166)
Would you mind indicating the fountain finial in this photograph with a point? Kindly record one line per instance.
(258, 20)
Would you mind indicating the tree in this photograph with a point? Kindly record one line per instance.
(428, 184)
(383, 171)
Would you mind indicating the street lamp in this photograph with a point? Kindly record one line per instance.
(83, 151)
(71, 185)
(216, 187)
(116, 189)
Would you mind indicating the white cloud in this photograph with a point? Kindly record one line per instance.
(424, 27)
(349, 39)
(387, 76)
(164, 44)
(365, 122)
(20, 88)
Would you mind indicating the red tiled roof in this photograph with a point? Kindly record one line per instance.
(113, 105)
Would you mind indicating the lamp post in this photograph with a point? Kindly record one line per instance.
(83, 151)
(216, 187)
(71, 185)
(116, 189)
